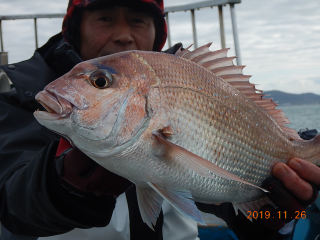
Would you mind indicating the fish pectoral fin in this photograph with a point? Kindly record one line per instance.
(249, 207)
(149, 203)
(170, 151)
(181, 200)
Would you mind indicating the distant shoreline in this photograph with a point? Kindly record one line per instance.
(290, 99)
(283, 104)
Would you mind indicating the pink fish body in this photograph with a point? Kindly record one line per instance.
(184, 128)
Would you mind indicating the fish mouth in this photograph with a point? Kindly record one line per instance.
(56, 106)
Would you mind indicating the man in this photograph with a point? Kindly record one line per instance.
(49, 188)
(43, 196)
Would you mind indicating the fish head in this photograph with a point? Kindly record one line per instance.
(101, 105)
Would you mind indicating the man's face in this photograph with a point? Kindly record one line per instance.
(115, 29)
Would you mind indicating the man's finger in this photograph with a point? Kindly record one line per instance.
(292, 181)
(306, 170)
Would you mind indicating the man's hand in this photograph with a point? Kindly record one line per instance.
(297, 176)
(84, 174)
(296, 186)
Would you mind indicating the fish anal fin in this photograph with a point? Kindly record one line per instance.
(150, 203)
(180, 200)
(248, 208)
(172, 152)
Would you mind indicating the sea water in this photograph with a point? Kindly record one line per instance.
(302, 116)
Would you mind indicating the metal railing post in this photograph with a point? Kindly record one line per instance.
(4, 80)
(3, 58)
(1, 39)
(222, 34)
(194, 29)
(235, 34)
(187, 7)
(36, 32)
(168, 28)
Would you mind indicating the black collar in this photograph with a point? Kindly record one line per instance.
(29, 77)
(48, 63)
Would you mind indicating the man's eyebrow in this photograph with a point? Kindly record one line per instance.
(102, 8)
(133, 9)
(111, 8)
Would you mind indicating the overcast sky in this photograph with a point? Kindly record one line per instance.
(279, 39)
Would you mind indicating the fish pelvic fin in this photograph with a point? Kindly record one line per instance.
(223, 67)
(172, 152)
(181, 200)
(149, 203)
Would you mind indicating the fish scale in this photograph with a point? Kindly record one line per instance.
(198, 123)
(193, 85)
(184, 128)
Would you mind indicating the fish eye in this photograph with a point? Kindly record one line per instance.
(101, 79)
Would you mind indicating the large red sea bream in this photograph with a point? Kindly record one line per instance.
(185, 127)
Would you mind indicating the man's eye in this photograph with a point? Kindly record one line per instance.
(137, 20)
(105, 19)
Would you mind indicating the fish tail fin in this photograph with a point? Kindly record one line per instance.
(308, 149)
(316, 141)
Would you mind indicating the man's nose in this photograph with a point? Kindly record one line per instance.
(122, 34)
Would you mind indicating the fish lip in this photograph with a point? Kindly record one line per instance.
(82, 105)
(57, 107)
(42, 115)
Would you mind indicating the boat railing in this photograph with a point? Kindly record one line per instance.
(168, 10)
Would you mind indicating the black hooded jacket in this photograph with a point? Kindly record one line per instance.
(33, 202)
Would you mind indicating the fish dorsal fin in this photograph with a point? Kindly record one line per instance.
(180, 53)
(223, 67)
(198, 52)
